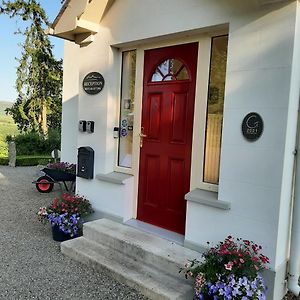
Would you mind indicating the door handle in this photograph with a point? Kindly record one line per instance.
(142, 136)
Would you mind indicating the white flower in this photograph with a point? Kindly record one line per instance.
(42, 211)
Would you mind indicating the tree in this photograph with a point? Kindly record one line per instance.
(39, 74)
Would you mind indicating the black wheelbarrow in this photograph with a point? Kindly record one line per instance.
(45, 183)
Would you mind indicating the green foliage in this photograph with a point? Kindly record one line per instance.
(7, 127)
(66, 212)
(39, 75)
(34, 143)
(71, 204)
(226, 267)
(3, 161)
(33, 160)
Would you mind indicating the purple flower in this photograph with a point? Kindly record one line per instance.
(230, 287)
(68, 224)
(74, 219)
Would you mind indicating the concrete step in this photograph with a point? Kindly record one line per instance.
(153, 283)
(148, 249)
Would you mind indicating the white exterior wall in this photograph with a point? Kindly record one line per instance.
(109, 200)
(255, 176)
(292, 115)
(70, 103)
(103, 107)
(258, 79)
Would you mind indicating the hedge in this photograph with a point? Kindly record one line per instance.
(3, 161)
(33, 160)
(28, 160)
(33, 143)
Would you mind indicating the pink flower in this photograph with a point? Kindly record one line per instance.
(241, 260)
(199, 283)
(229, 266)
(42, 211)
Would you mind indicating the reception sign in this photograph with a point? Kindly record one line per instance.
(93, 83)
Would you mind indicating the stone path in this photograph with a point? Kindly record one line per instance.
(31, 265)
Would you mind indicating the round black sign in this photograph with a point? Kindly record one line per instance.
(93, 83)
(252, 126)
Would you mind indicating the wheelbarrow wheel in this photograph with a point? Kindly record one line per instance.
(44, 184)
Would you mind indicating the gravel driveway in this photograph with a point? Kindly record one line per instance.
(31, 265)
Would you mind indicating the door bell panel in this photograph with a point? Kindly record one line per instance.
(82, 126)
(90, 126)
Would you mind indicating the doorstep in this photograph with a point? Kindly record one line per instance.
(146, 262)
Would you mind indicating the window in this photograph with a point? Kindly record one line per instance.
(170, 70)
(126, 109)
(215, 105)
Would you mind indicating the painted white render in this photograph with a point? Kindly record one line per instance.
(70, 100)
(263, 72)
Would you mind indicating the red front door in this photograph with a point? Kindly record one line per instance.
(167, 122)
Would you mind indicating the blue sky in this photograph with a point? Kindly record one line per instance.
(9, 48)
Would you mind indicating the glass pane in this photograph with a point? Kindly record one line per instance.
(171, 69)
(215, 105)
(183, 74)
(126, 110)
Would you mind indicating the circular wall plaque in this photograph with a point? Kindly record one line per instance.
(252, 126)
(93, 83)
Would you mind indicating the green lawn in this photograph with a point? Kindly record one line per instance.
(7, 126)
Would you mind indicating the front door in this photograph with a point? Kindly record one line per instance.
(166, 135)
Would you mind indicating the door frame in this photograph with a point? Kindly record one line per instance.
(201, 92)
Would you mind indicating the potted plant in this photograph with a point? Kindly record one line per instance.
(230, 270)
(65, 214)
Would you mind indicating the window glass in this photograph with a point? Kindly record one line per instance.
(170, 70)
(215, 105)
(126, 109)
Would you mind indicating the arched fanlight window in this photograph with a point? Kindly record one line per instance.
(170, 70)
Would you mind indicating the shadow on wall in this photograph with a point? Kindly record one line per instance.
(69, 129)
(199, 17)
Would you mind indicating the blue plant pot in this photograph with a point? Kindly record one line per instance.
(60, 236)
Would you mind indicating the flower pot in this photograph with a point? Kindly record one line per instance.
(60, 236)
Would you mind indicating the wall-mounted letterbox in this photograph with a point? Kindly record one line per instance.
(85, 162)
